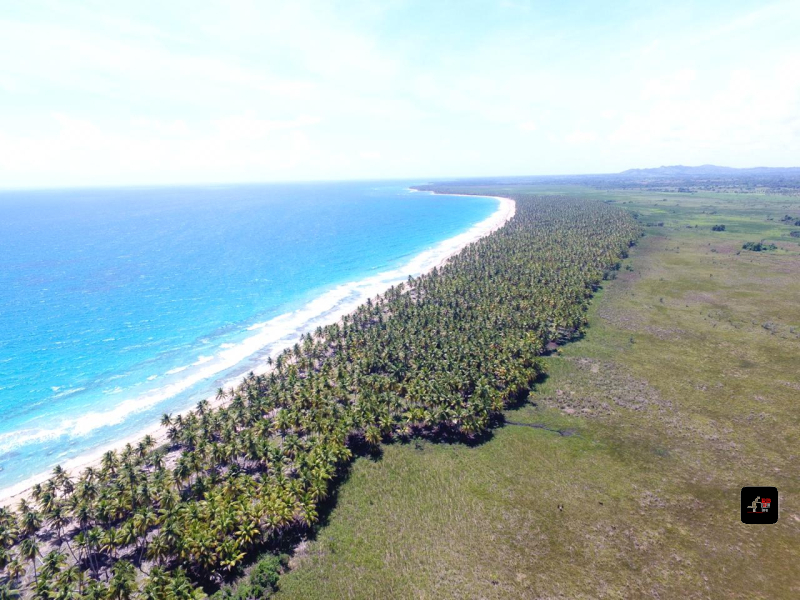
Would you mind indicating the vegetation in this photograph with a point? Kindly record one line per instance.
(438, 357)
(620, 476)
(791, 220)
(260, 583)
(758, 246)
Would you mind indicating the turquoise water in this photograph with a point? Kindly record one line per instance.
(117, 305)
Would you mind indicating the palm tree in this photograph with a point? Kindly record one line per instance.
(158, 549)
(59, 520)
(110, 542)
(230, 556)
(122, 585)
(202, 406)
(109, 463)
(30, 522)
(96, 590)
(29, 550)
(8, 593)
(52, 563)
(70, 577)
(15, 569)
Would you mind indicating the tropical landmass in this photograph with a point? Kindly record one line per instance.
(619, 476)
(566, 408)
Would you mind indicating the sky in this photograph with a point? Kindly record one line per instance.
(129, 93)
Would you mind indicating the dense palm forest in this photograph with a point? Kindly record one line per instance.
(441, 355)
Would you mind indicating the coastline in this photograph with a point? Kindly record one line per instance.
(422, 263)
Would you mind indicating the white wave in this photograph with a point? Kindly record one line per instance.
(270, 338)
(67, 392)
(176, 370)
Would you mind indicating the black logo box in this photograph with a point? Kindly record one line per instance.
(759, 505)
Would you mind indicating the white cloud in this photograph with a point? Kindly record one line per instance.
(81, 150)
(751, 110)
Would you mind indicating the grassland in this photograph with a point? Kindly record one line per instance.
(620, 475)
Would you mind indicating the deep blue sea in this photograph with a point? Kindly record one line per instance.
(118, 305)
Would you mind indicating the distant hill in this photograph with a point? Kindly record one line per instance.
(710, 171)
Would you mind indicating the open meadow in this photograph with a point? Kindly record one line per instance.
(620, 475)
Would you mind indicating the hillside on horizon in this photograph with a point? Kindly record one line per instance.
(707, 171)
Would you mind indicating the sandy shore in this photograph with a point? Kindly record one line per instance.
(442, 252)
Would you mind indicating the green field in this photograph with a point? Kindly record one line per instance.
(620, 475)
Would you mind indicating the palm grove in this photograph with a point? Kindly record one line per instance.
(440, 355)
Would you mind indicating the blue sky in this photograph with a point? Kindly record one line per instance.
(107, 93)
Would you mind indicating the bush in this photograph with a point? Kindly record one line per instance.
(718, 228)
(759, 246)
(266, 572)
(261, 583)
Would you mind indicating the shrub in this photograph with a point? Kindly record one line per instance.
(759, 246)
(261, 583)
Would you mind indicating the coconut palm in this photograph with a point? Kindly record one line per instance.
(122, 584)
(29, 550)
(8, 593)
(15, 569)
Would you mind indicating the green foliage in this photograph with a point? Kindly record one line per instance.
(442, 355)
(262, 581)
(759, 246)
(791, 220)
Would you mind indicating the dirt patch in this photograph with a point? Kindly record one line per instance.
(701, 298)
(299, 555)
(727, 248)
(624, 319)
(610, 387)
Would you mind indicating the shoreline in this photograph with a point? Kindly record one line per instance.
(442, 251)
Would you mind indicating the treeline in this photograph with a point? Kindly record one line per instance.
(441, 355)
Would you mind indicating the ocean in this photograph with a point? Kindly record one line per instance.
(118, 305)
